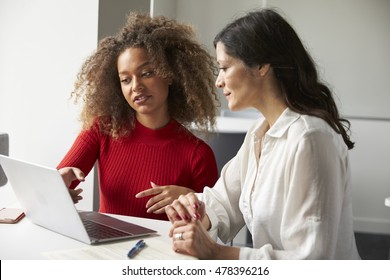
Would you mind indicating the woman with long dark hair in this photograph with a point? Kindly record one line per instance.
(290, 181)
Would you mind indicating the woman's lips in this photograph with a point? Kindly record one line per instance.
(141, 99)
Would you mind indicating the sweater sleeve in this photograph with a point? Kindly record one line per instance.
(83, 153)
(204, 167)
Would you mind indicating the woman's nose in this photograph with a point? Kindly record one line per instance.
(137, 85)
(219, 81)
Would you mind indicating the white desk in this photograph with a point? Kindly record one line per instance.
(387, 202)
(25, 240)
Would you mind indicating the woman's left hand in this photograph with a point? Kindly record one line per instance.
(193, 239)
(162, 196)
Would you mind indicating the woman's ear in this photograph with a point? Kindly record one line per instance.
(264, 69)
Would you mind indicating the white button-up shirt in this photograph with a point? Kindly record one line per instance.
(293, 192)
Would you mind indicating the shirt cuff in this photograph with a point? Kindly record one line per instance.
(213, 231)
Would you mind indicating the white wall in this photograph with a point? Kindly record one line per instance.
(371, 175)
(43, 44)
(350, 41)
(113, 14)
(163, 8)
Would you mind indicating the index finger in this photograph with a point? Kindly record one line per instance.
(148, 192)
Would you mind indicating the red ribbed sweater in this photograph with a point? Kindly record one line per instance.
(168, 156)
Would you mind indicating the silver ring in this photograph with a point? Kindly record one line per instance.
(179, 236)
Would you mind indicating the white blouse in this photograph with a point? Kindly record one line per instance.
(293, 193)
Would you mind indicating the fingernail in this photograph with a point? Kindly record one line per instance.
(186, 217)
(197, 205)
(178, 218)
(196, 216)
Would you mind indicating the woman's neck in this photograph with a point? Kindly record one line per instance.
(153, 122)
(273, 111)
(271, 103)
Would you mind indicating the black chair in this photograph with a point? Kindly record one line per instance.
(4, 150)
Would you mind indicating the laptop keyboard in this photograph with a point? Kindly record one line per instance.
(100, 231)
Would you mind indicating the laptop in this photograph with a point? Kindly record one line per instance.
(46, 201)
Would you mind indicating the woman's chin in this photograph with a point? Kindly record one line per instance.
(234, 108)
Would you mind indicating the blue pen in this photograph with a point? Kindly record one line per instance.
(137, 247)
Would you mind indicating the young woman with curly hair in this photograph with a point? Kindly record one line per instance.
(142, 90)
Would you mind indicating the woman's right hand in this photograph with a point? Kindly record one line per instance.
(70, 174)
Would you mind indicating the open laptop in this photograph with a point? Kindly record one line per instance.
(46, 201)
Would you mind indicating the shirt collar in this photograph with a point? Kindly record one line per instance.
(282, 124)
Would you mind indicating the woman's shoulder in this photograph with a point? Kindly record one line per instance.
(190, 136)
(312, 124)
(97, 130)
(316, 130)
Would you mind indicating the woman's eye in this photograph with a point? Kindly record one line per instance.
(125, 80)
(148, 73)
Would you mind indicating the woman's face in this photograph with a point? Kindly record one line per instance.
(240, 84)
(145, 92)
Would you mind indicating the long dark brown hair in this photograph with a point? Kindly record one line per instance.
(265, 37)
